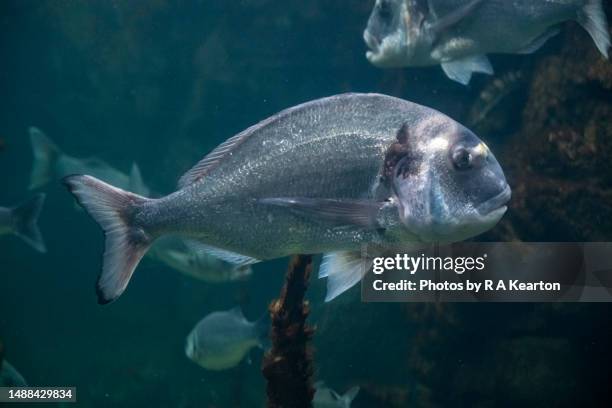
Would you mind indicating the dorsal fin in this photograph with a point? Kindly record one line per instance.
(212, 159)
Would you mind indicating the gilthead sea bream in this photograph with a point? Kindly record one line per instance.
(327, 176)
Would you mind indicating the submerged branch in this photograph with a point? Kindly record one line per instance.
(288, 365)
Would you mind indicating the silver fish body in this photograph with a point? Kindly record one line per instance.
(222, 339)
(326, 176)
(459, 33)
(330, 149)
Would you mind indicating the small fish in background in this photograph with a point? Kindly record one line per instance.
(22, 221)
(457, 34)
(222, 339)
(495, 95)
(372, 169)
(2, 144)
(51, 164)
(10, 377)
(327, 398)
(195, 260)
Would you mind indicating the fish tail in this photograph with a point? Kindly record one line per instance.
(45, 155)
(25, 222)
(593, 18)
(126, 242)
(349, 396)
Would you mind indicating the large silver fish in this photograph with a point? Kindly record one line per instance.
(222, 339)
(457, 34)
(327, 176)
(22, 220)
(50, 163)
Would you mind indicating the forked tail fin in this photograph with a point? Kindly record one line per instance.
(349, 396)
(25, 222)
(125, 242)
(593, 18)
(45, 154)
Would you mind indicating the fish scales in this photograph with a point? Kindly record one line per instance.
(326, 149)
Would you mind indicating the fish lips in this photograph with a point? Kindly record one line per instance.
(373, 44)
(496, 204)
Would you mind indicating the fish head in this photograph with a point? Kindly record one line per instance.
(449, 186)
(397, 34)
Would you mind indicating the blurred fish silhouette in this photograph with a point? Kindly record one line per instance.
(222, 339)
(197, 260)
(10, 377)
(457, 34)
(22, 220)
(50, 163)
(327, 398)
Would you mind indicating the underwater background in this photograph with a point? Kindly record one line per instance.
(161, 83)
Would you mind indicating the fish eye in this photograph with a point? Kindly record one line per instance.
(384, 9)
(462, 158)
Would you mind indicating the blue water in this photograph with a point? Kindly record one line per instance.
(161, 83)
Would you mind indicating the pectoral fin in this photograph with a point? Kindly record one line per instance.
(343, 271)
(461, 70)
(536, 44)
(453, 18)
(360, 213)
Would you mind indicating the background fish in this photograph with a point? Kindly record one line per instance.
(10, 377)
(22, 220)
(50, 163)
(222, 339)
(326, 176)
(327, 398)
(457, 34)
(195, 260)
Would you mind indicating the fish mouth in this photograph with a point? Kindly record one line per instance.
(372, 43)
(497, 203)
